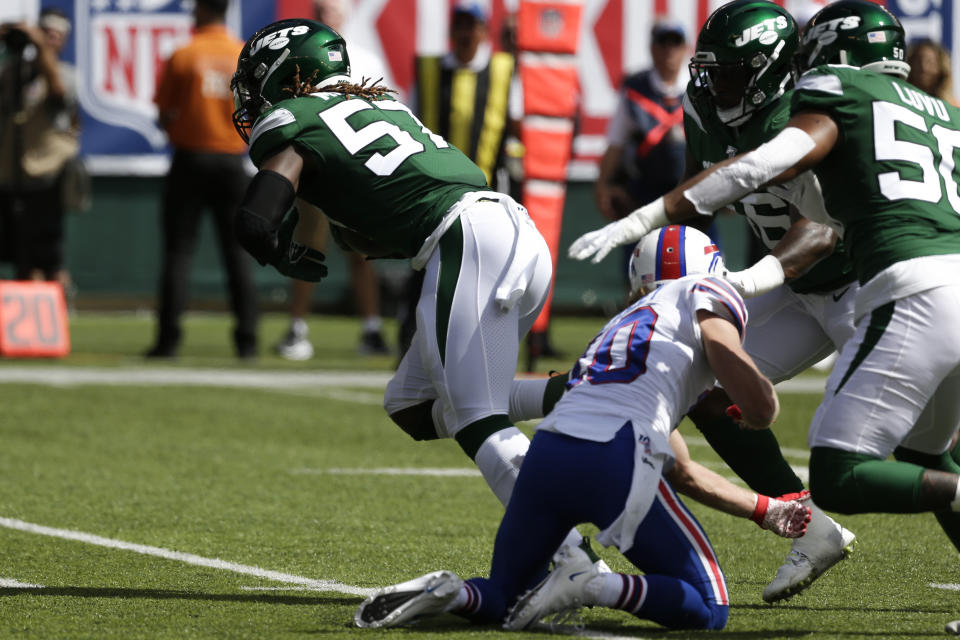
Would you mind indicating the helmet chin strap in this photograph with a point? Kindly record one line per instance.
(734, 116)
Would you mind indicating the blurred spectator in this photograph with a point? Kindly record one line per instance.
(39, 141)
(930, 69)
(464, 97)
(363, 275)
(645, 152)
(196, 107)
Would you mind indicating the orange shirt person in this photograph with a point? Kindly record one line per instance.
(207, 172)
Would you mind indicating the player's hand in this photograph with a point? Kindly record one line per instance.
(296, 260)
(624, 231)
(786, 516)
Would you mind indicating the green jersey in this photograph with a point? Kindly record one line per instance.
(891, 178)
(709, 141)
(371, 165)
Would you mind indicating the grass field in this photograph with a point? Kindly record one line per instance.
(193, 511)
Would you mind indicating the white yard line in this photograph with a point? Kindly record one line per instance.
(303, 584)
(390, 471)
(948, 587)
(168, 376)
(179, 556)
(10, 583)
(59, 375)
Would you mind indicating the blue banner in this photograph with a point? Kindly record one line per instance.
(119, 48)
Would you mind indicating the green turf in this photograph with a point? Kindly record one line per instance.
(246, 476)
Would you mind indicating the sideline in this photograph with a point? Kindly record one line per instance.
(64, 376)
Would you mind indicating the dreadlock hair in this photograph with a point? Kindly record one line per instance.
(368, 88)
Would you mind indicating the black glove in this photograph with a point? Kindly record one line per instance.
(296, 260)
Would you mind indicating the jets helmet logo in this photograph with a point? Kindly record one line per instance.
(764, 31)
(278, 39)
(826, 32)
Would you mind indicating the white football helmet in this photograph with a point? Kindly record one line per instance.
(670, 253)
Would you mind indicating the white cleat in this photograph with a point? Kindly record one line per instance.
(825, 544)
(953, 628)
(402, 603)
(294, 346)
(560, 592)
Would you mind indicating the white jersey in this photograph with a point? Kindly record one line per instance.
(647, 365)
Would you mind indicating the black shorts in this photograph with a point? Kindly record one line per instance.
(31, 229)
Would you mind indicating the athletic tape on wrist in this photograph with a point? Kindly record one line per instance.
(733, 181)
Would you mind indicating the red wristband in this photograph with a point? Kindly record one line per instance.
(760, 510)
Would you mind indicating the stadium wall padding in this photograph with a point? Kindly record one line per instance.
(113, 252)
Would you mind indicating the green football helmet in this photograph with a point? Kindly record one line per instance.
(743, 58)
(857, 33)
(275, 57)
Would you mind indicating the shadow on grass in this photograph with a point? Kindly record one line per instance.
(169, 594)
(793, 607)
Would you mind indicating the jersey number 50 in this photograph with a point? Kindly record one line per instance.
(886, 115)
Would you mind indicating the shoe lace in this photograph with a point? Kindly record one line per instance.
(567, 617)
(797, 558)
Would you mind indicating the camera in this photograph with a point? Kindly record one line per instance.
(15, 40)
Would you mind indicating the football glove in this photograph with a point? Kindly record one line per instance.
(293, 259)
(624, 231)
(786, 516)
(764, 276)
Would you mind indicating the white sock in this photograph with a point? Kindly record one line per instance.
(467, 601)
(617, 591)
(526, 399)
(372, 324)
(955, 505)
(499, 459)
(299, 327)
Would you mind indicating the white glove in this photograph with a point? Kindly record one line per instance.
(766, 275)
(786, 516)
(625, 231)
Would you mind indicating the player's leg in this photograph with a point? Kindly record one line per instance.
(471, 339)
(683, 586)
(410, 398)
(530, 531)
(180, 219)
(904, 355)
(814, 325)
(755, 456)
(564, 481)
(224, 194)
(366, 294)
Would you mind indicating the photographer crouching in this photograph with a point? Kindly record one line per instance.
(39, 141)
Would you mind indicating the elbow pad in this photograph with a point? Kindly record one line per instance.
(268, 198)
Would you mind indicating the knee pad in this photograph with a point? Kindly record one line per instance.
(417, 421)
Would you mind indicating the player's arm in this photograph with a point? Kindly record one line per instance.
(265, 222)
(803, 245)
(806, 140)
(785, 517)
(606, 191)
(736, 372)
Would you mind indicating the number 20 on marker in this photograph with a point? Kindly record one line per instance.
(33, 320)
